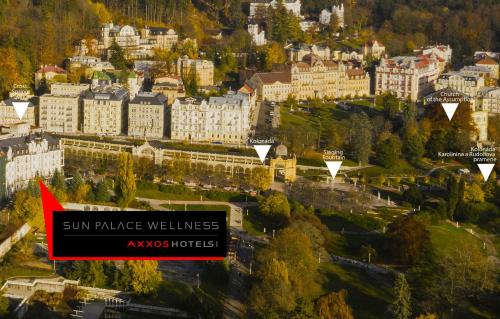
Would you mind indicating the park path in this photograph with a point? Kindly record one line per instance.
(236, 208)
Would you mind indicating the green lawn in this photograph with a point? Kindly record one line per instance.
(181, 192)
(445, 237)
(368, 296)
(14, 270)
(402, 167)
(254, 222)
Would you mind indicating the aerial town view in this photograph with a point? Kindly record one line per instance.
(267, 159)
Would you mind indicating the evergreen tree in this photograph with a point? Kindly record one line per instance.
(401, 306)
(490, 187)
(117, 56)
(125, 185)
(388, 151)
(360, 137)
(414, 149)
(101, 192)
(57, 181)
(280, 23)
(76, 182)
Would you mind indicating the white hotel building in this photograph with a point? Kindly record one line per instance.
(223, 119)
(24, 157)
(408, 77)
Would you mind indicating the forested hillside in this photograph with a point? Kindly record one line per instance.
(35, 32)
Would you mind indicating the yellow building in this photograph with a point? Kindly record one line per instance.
(202, 70)
(311, 78)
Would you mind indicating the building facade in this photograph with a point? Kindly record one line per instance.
(171, 86)
(298, 52)
(68, 88)
(258, 36)
(136, 43)
(325, 16)
(60, 113)
(223, 119)
(407, 77)
(147, 115)
(271, 86)
(374, 49)
(489, 100)
(310, 78)
(105, 111)
(259, 7)
(201, 70)
(461, 82)
(22, 158)
(9, 116)
(491, 65)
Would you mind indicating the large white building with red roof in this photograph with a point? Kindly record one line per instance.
(407, 77)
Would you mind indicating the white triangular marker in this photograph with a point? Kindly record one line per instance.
(486, 170)
(450, 109)
(333, 167)
(262, 151)
(20, 108)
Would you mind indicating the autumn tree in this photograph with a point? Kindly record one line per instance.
(4, 306)
(139, 276)
(9, 72)
(275, 54)
(275, 206)
(125, 184)
(334, 306)
(260, 178)
(465, 271)
(273, 295)
(334, 23)
(27, 208)
(401, 306)
(82, 192)
(407, 239)
(428, 316)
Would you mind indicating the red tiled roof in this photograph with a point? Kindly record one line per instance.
(355, 72)
(273, 77)
(487, 60)
(246, 88)
(51, 68)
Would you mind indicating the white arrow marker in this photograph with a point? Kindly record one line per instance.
(333, 167)
(262, 151)
(486, 170)
(20, 108)
(450, 109)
